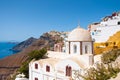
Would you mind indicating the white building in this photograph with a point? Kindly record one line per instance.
(20, 77)
(102, 31)
(61, 65)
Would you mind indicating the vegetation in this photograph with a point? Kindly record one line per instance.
(25, 69)
(36, 54)
(102, 71)
(103, 47)
(112, 43)
(110, 56)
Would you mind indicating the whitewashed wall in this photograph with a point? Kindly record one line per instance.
(89, 47)
(105, 33)
(72, 47)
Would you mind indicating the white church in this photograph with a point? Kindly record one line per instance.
(78, 56)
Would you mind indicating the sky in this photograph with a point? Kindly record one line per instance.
(21, 19)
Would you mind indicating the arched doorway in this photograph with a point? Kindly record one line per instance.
(68, 71)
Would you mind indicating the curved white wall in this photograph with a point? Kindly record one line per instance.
(61, 67)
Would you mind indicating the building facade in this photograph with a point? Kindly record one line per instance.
(102, 31)
(78, 56)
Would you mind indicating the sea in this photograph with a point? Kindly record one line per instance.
(5, 49)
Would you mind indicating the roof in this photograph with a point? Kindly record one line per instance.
(79, 62)
(51, 61)
(56, 57)
(79, 34)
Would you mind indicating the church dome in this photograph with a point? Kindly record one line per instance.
(79, 34)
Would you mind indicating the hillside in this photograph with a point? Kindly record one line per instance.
(112, 43)
(115, 39)
(10, 64)
(24, 44)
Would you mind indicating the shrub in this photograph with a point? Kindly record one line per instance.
(36, 54)
(25, 69)
(104, 71)
(100, 72)
(110, 56)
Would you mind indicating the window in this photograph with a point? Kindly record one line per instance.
(36, 78)
(86, 49)
(68, 71)
(75, 49)
(36, 66)
(119, 23)
(47, 68)
(92, 33)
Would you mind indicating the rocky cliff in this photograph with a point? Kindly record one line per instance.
(10, 64)
(19, 47)
(112, 43)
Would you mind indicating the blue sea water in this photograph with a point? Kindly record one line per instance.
(5, 49)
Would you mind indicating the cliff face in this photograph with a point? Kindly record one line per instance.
(24, 44)
(112, 43)
(115, 39)
(10, 64)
